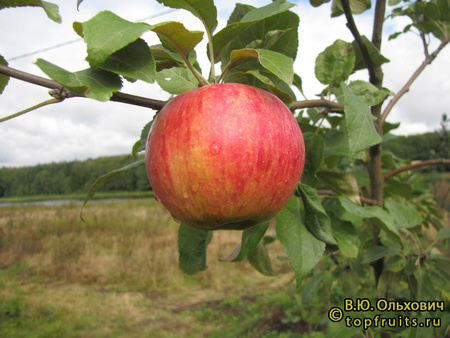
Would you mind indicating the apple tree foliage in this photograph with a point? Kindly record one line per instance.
(358, 222)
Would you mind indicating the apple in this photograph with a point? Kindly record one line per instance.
(224, 156)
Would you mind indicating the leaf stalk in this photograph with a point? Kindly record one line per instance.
(22, 112)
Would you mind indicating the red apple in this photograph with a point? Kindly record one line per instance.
(224, 156)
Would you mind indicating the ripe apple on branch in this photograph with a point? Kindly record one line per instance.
(224, 156)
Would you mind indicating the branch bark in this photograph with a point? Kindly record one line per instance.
(416, 165)
(331, 105)
(408, 84)
(139, 100)
(47, 83)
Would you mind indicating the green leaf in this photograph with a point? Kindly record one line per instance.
(205, 10)
(176, 80)
(304, 251)
(136, 148)
(276, 7)
(361, 130)
(335, 63)
(298, 83)
(176, 38)
(394, 187)
(3, 78)
(234, 31)
(336, 143)
(96, 84)
(316, 219)
(308, 288)
(342, 184)
(78, 28)
(387, 127)
(444, 233)
(374, 54)
(50, 9)
(405, 215)
(260, 260)
(362, 177)
(106, 33)
(396, 263)
(441, 265)
(317, 3)
(368, 92)
(340, 330)
(394, 2)
(377, 252)
(386, 282)
(107, 178)
(250, 239)
(134, 61)
(267, 84)
(78, 4)
(278, 64)
(346, 236)
(425, 289)
(432, 17)
(192, 243)
(239, 12)
(165, 57)
(140, 145)
(356, 7)
(379, 216)
(314, 147)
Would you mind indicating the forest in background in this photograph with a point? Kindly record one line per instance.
(75, 177)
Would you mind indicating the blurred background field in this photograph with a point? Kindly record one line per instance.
(117, 275)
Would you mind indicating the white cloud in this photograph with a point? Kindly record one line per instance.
(82, 128)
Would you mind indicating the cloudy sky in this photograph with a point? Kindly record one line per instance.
(78, 128)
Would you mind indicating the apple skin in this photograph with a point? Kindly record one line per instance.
(224, 156)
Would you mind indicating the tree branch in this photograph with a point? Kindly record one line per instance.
(57, 90)
(416, 165)
(408, 84)
(331, 105)
(375, 163)
(363, 199)
(47, 83)
(358, 38)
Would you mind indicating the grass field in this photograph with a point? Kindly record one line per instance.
(117, 275)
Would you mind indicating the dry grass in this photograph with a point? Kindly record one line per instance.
(118, 272)
(133, 242)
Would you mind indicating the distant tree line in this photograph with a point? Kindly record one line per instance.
(422, 147)
(77, 176)
(71, 177)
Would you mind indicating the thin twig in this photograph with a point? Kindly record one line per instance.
(39, 105)
(358, 38)
(408, 84)
(425, 45)
(416, 165)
